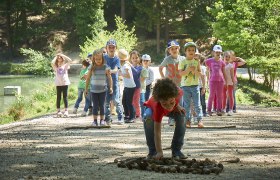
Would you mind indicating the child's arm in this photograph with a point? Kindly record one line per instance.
(186, 71)
(157, 132)
(203, 80)
(198, 70)
(224, 74)
(126, 74)
(240, 61)
(114, 71)
(66, 58)
(110, 81)
(161, 71)
(87, 81)
(53, 63)
(232, 75)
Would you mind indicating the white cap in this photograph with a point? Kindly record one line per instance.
(217, 48)
(146, 57)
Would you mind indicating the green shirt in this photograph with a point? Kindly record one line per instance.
(82, 82)
(189, 79)
(144, 74)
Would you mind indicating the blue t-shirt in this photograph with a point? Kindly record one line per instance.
(136, 71)
(113, 63)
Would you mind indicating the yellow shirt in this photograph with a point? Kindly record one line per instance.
(190, 79)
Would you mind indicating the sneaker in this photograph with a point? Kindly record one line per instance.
(205, 115)
(129, 121)
(65, 114)
(171, 122)
(59, 114)
(209, 113)
(234, 111)
(195, 120)
(108, 123)
(84, 114)
(200, 124)
(219, 113)
(94, 123)
(188, 124)
(102, 123)
(178, 155)
(120, 122)
(223, 111)
(75, 111)
(230, 113)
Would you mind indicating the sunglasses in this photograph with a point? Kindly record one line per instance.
(145, 60)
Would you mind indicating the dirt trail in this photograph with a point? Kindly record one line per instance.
(43, 149)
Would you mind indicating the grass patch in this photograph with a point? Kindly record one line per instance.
(253, 93)
(40, 103)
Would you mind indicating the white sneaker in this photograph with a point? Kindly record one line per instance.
(59, 114)
(65, 114)
(230, 113)
(195, 120)
(75, 111)
(84, 114)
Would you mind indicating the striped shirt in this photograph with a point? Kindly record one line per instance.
(98, 81)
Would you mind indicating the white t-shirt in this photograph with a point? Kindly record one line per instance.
(61, 75)
(128, 82)
(203, 72)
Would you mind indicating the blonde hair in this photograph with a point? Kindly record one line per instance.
(97, 52)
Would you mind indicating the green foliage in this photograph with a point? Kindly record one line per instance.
(5, 68)
(256, 94)
(89, 17)
(36, 62)
(125, 38)
(248, 27)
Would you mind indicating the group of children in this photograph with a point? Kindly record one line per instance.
(182, 86)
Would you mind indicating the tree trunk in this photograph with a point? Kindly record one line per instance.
(9, 28)
(158, 38)
(249, 72)
(158, 26)
(166, 31)
(123, 9)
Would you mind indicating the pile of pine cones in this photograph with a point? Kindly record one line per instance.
(170, 165)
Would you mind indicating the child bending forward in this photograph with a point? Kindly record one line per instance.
(164, 102)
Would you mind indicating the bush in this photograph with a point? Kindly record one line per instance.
(5, 68)
(36, 63)
(125, 39)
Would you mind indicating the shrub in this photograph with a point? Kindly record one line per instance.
(36, 62)
(125, 38)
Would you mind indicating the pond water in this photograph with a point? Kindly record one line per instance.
(28, 85)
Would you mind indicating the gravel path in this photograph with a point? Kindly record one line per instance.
(43, 148)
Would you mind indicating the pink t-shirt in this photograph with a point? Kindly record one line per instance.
(216, 69)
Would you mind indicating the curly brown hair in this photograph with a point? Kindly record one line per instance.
(164, 89)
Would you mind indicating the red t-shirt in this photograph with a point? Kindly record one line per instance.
(158, 110)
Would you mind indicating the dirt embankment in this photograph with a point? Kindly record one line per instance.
(44, 149)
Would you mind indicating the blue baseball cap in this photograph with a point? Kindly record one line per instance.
(89, 55)
(111, 42)
(172, 43)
